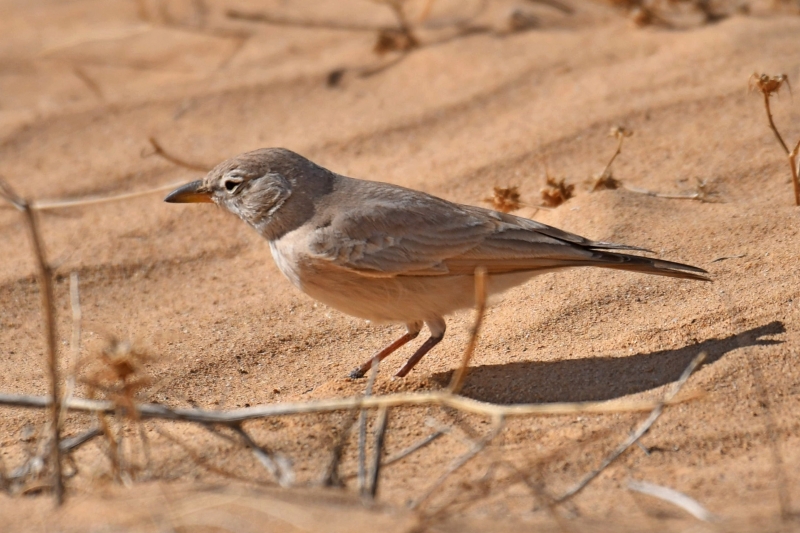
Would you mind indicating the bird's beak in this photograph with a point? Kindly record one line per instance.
(191, 193)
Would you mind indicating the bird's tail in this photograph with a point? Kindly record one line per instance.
(645, 265)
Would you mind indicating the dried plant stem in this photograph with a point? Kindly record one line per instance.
(72, 443)
(159, 150)
(402, 454)
(480, 302)
(443, 398)
(75, 340)
(772, 124)
(564, 8)
(46, 205)
(199, 458)
(283, 478)
(769, 85)
(362, 430)
(399, 12)
(45, 277)
(77, 39)
(674, 497)
(476, 448)
(266, 18)
(380, 434)
(672, 196)
(331, 476)
(636, 435)
(606, 170)
(87, 80)
(795, 171)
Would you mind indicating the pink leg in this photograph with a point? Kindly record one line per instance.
(437, 328)
(412, 333)
(419, 354)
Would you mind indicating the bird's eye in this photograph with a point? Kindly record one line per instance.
(232, 184)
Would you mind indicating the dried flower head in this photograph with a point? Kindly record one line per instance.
(391, 40)
(119, 373)
(768, 85)
(605, 181)
(556, 192)
(620, 132)
(505, 199)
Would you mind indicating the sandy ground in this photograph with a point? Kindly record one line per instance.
(85, 83)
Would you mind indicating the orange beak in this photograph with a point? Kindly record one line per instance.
(191, 193)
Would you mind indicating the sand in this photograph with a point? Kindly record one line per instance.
(83, 86)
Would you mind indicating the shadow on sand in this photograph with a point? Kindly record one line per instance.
(597, 378)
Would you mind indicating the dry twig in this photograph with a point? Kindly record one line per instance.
(75, 340)
(402, 454)
(795, 165)
(72, 443)
(45, 278)
(235, 416)
(377, 453)
(46, 205)
(362, 430)
(266, 18)
(640, 431)
(703, 192)
(674, 497)
(278, 466)
(331, 476)
(480, 304)
(476, 448)
(726, 257)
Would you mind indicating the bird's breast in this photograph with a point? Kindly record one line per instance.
(285, 256)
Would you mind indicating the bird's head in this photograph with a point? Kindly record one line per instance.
(255, 186)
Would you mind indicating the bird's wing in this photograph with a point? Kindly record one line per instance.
(409, 235)
(403, 232)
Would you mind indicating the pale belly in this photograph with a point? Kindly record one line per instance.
(386, 299)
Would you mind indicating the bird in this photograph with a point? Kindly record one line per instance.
(390, 254)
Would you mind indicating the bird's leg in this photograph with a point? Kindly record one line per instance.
(412, 332)
(437, 328)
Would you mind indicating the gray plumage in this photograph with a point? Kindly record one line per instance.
(391, 254)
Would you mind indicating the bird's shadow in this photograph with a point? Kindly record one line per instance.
(597, 378)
